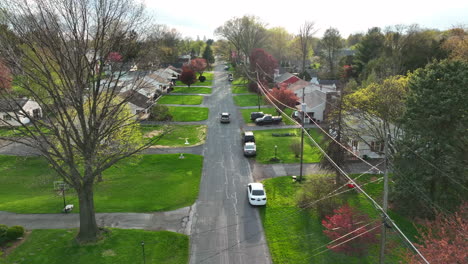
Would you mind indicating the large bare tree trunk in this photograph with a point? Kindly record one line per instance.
(88, 228)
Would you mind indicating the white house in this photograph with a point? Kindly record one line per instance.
(139, 104)
(16, 112)
(318, 98)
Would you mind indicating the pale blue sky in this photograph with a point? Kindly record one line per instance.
(201, 18)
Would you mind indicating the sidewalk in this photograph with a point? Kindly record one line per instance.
(175, 221)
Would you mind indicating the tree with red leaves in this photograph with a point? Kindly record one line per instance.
(187, 76)
(444, 239)
(283, 95)
(199, 65)
(114, 57)
(347, 221)
(263, 63)
(5, 77)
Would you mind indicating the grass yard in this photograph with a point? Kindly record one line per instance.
(181, 99)
(239, 89)
(266, 146)
(240, 81)
(295, 235)
(195, 134)
(208, 82)
(248, 100)
(187, 114)
(119, 246)
(191, 90)
(267, 110)
(145, 183)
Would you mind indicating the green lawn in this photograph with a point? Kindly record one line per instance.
(181, 99)
(195, 134)
(189, 90)
(248, 100)
(240, 89)
(295, 235)
(145, 183)
(15, 132)
(119, 246)
(266, 141)
(267, 110)
(239, 81)
(208, 82)
(187, 114)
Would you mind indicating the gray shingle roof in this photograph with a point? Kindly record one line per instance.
(137, 99)
(12, 105)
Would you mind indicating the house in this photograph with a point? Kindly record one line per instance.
(139, 104)
(18, 111)
(286, 78)
(361, 134)
(330, 83)
(161, 83)
(318, 98)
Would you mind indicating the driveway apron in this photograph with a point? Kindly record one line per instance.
(225, 228)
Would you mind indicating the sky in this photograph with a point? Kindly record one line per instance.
(201, 18)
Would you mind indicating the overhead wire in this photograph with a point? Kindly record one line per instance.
(342, 172)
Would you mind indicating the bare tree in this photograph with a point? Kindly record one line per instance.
(61, 64)
(306, 31)
(245, 33)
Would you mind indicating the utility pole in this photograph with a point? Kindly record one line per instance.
(383, 236)
(303, 106)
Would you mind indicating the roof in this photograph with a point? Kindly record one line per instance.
(137, 99)
(248, 133)
(12, 105)
(283, 77)
(256, 186)
(298, 85)
(157, 77)
(314, 99)
(329, 82)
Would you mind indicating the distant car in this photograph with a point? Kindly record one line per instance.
(230, 79)
(255, 115)
(268, 119)
(296, 115)
(256, 194)
(250, 149)
(226, 67)
(248, 136)
(225, 118)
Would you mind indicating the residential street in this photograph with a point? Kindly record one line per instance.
(225, 228)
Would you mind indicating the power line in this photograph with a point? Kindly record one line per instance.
(375, 204)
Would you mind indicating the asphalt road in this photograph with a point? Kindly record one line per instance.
(224, 227)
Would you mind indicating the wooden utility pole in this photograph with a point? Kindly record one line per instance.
(383, 236)
(303, 106)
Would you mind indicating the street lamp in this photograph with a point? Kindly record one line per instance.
(276, 150)
(143, 251)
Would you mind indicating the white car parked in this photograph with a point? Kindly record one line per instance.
(256, 194)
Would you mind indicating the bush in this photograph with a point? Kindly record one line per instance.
(202, 78)
(296, 148)
(160, 113)
(3, 233)
(15, 232)
(316, 189)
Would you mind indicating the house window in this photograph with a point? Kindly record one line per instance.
(377, 146)
(6, 117)
(37, 113)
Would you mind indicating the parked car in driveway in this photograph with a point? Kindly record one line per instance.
(225, 118)
(255, 115)
(256, 194)
(248, 136)
(250, 149)
(268, 119)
